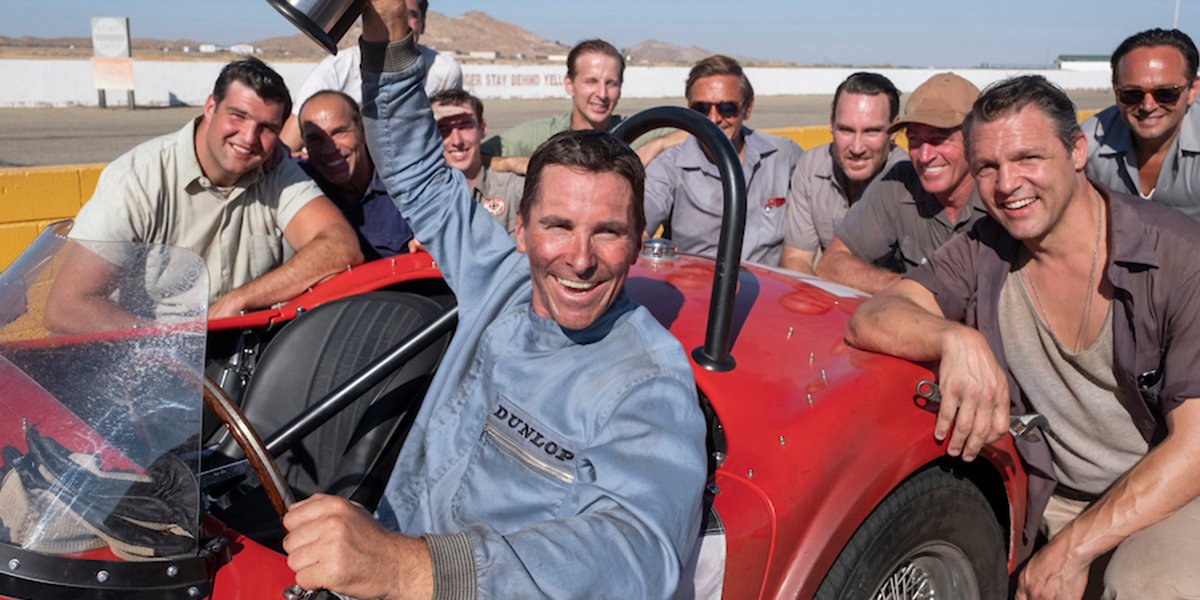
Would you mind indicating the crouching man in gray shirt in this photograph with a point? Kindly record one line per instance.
(560, 449)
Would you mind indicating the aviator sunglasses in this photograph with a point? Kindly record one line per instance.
(725, 109)
(1166, 95)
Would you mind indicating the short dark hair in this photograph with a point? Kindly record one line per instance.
(256, 75)
(593, 152)
(868, 84)
(1158, 37)
(596, 46)
(1011, 95)
(454, 97)
(715, 66)
(423, 6)
(355, 110)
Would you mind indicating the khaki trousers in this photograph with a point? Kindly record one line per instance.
(1159, 562)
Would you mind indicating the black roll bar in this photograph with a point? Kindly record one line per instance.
(714, 355)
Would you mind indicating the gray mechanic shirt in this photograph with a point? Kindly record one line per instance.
(898, 225)
(682, 185)
(1112, 160)
(817, 201)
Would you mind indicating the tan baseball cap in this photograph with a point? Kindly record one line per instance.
(943, 101)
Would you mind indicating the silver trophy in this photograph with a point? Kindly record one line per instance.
(323, 21)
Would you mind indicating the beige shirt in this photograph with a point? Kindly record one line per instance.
(1092, 438)
(156, 193)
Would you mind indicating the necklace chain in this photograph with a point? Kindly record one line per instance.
(1089, 291)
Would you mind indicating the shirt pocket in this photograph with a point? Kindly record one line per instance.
(825, 224)
(519, 474)
(912, 255)
(266, 253)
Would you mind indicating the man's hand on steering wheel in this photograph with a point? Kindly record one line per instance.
(335, 544)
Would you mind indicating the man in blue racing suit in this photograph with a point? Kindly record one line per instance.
(560, 448)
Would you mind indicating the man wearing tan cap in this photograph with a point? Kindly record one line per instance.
(912, 209)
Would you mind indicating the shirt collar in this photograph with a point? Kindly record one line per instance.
(756, 149)
(1189, 131)
(480, 183)
(558, 336)
(971, 211)
(1128, 244)
(189, 165)
(375, 188)
(1118, 139)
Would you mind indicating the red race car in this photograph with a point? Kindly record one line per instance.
(826, 480)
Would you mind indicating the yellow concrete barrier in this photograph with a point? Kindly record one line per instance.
(33, 197)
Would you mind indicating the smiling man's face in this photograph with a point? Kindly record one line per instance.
(461, 131)
(239, 134)
(595, 90)
(580, 239)
(336, 142)
(1148, 69)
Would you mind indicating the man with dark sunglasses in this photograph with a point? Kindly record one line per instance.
(1148, 144)
(683, 188)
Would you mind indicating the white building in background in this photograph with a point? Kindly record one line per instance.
(1082, 62)
(242, 49)
(208, 48)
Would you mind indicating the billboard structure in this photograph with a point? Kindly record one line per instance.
(112, 61)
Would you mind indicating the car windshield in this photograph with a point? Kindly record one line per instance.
(101, 366)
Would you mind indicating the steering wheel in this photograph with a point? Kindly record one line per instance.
(260, 460)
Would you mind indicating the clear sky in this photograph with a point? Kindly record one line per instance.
(943, 33)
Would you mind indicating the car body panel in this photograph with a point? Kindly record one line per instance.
(367, 277)
(818, 432)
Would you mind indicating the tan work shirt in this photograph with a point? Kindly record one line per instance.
(156, 193)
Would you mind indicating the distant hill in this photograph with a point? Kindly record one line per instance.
(85, 43)
(473, 31)
(477, 31)
(659, 52)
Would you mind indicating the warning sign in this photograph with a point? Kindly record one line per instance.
(112, 73)
(110, 37)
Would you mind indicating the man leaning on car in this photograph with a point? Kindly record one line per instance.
(1079, 303)
(559, 451)
(206, 188)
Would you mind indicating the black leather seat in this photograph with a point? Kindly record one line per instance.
(351, 455)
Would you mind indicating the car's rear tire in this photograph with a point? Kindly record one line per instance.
(935, 536)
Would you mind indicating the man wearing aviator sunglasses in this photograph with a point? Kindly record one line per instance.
(683, 188)
(1148, 144)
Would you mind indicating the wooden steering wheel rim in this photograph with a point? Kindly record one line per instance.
(261, 461)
